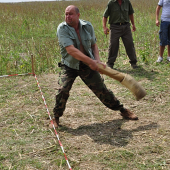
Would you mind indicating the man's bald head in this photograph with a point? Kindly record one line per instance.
(74, 8)
(72, 16)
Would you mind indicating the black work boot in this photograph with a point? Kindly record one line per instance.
(134, 66)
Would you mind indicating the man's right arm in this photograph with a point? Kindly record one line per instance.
(105, 29)
(157, 15)
(77, 54)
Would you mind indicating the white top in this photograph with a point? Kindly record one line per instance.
(165, 4)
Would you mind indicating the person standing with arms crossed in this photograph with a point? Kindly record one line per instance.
(120, 12)
(164, 33)
(78, 46)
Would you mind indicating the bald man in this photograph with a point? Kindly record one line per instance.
(78, 46)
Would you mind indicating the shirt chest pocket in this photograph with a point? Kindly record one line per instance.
(73, 39)
(125, 13)
(87, 40)
(125, 9)
(115, 8)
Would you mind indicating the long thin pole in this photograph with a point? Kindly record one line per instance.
(53, 124)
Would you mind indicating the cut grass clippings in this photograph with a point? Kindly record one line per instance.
(93, 136)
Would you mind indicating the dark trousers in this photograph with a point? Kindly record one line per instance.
(92, 79)
(124, 32)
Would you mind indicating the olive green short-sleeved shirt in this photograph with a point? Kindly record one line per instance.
(67, 36)
(117, 13)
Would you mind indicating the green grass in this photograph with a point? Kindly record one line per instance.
(30, 29)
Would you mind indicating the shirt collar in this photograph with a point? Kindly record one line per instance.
(81, 22)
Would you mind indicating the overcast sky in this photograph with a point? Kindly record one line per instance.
(7, 1)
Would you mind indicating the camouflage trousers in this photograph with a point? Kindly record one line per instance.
(92, 79)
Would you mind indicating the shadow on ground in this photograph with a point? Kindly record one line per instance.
(109, 132)
(141, 72)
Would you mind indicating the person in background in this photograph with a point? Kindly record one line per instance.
(164, 33)
(80, 56)
(120, 12)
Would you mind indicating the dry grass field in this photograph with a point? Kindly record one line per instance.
(93, 137)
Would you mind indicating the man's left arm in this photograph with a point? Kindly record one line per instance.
(95, 52)
(132, 22)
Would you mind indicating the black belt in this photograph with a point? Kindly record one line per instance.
(121, 23)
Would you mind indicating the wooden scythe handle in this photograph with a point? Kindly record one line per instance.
(111, 73)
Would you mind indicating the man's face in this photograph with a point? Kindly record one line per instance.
(71, 17)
